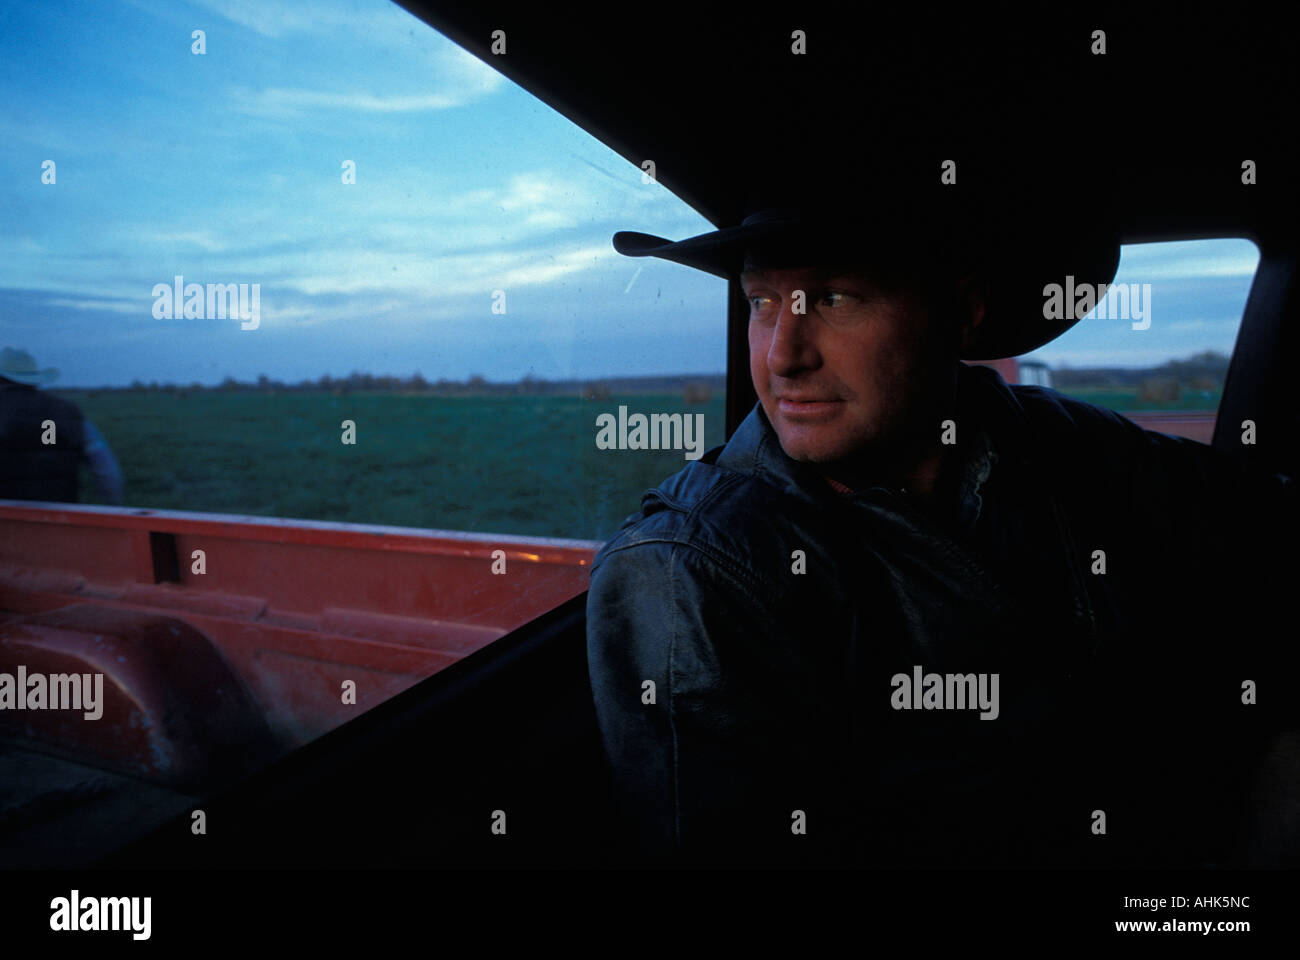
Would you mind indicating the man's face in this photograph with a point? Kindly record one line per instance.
(856, 372)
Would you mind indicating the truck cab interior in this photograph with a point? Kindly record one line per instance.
(1143, 142)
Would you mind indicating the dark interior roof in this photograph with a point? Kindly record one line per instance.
(1155, 131)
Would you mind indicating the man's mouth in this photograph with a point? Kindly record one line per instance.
(806, 406)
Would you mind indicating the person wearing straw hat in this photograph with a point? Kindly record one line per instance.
(30, 467)
(876, 626)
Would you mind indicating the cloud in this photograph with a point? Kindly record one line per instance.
(281, 101)
(1223, 326)
(194, 238)
(309, 314)
(477, 274)
(1153, 356)
(1187, 260)
(113, 306)
(278, 18)
(456, 78)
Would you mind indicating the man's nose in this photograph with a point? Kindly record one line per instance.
(792, 346)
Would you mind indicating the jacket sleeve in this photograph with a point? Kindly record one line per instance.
(103, 466)
(718, 733)
(628, 654)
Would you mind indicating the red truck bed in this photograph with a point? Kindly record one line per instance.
(207, 674)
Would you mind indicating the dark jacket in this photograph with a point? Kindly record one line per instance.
(33, 470)
(775, 734)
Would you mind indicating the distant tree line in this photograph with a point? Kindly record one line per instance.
(694, 387)
(1201, 371)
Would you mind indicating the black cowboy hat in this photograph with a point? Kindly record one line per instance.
(901, 221)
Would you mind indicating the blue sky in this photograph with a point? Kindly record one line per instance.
(226, 168)
(1198, 290)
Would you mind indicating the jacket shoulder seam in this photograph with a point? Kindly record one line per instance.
(738, 572)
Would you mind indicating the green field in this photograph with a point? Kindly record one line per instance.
(519, 465)
(1126, 399)
(526, 465)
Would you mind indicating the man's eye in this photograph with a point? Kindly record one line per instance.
(834, 298)
(758, 301)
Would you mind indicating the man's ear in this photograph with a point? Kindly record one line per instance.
(972, 305)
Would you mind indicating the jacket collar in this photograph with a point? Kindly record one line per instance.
(984, 401)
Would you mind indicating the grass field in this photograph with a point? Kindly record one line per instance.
(1124, 400)
(521, 465)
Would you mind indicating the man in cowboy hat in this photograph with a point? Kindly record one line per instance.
(30, 467)
(912, 615)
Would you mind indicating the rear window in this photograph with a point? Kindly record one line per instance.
(1157, 347)
(380, 229)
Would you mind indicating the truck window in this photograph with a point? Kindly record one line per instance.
(259, 227)
(342, 302)
(1156, 347)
